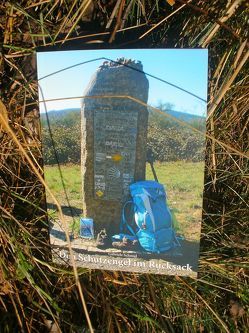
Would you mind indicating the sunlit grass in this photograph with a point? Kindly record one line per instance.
(183, 182)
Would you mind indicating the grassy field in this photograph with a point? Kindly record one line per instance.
(183, 182)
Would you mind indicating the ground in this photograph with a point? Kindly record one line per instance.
(184, 185)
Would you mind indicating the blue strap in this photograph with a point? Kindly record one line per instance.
(124, 222)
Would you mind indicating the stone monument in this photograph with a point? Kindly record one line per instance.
(113, 134)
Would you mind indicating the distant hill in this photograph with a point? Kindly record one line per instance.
(188, 117)
(59, 113)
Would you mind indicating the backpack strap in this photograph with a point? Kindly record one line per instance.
(146, 201)
(124, 222)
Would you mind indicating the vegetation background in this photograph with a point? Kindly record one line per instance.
(167, 139)
(38, 296)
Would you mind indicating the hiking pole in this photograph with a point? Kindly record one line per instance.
(150, 159)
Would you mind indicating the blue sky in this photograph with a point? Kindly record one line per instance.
(186, 68)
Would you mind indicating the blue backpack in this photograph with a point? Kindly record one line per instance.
(153, 225)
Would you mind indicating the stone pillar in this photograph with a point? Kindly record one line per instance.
(113, 146)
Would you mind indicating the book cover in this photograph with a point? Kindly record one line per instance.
(123, 137)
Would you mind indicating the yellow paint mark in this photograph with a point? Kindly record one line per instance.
(99, 193)
(117, 157)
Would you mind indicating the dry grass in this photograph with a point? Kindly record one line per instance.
(35, 294)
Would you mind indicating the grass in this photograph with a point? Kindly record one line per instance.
(71, 178)
(183, 182)
(184, 185)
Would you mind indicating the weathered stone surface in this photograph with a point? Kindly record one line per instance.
(114, 132)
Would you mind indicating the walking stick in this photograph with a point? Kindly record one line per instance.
(150, 159)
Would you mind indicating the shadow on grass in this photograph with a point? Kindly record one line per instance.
(66, 210)
(60, 234)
